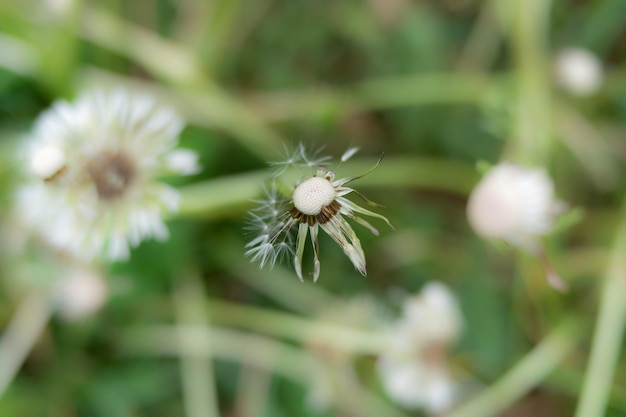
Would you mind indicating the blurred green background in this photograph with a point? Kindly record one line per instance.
(439, 87)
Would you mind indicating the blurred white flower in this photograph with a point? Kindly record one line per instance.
(515, 204)
(578, 71)
(80, 292)
(318, 200)
(93, 169)
(414, 371)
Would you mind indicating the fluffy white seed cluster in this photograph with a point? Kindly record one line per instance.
(271, 241)
(414, 371)
(515, 204)
(92, 183)
(315, 202)
(312, 194)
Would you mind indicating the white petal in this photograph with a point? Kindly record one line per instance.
(183, 161)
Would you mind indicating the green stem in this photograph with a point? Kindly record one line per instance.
(297, 328)
(225, 344)
(196, 370)
(384, 93)
(532, 138)
(260, 352)
(608, 335)
(222, 197)
(20, 336)
(165, 59)
(277, 283)
(528, 373)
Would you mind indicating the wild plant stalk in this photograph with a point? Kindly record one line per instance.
(20, 336)
(526, 374)
(199, 392)
(608, 335)
(531, 142)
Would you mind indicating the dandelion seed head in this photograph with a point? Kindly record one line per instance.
(101, 157)
(312, 194)
(316, 201)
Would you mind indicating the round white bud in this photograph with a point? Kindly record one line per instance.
(47, 161)
(513, 203)
(80, 293)
(578, 71)
(312, 194)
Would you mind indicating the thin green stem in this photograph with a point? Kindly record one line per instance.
(297, 328)
(20, 336)
(222, 197)
(199, 390)
(481, 48)
(608, 335)
(225, 344)
(532, 137)
(384, 93)
(527, 373)
(277, 283)
(165, 59)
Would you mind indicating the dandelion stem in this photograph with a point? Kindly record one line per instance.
(260, 352)
(608, 335)
(225, 196)
(297, 328)
(20, 336)
(166, 60)
(383, 93)
(225, 344)
(277, 283)
(196, 370)
(528, 373)
(528, 39)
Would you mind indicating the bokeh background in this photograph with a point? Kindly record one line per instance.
(443, 88)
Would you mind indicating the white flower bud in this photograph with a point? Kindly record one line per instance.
(80, 293)
(513, 203)
(578, 71)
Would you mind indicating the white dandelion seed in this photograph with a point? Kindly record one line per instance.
(317, 201)
(414, 371)
(94, 166)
